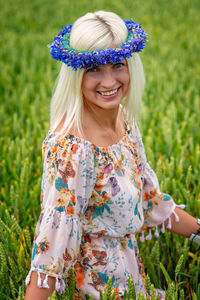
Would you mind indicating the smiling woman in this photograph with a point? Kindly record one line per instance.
(88, 34)
(103, 89)
(98, 190)
(106, 86)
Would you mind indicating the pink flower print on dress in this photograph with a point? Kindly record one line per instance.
(108, 169)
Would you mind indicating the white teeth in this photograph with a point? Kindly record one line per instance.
(108, 93)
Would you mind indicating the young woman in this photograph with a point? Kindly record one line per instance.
(98, 190)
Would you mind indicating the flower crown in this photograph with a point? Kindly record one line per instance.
(80, 59)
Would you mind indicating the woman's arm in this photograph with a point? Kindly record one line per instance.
(34, 292)
(186, 225)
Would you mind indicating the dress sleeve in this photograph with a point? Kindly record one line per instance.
(157, 207)
(67, 184)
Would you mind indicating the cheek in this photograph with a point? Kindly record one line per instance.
(88, 85)
(125, 76)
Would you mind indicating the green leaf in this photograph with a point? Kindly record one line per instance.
(183, 274)
(167, 277)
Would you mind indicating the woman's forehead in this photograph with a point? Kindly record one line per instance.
(104, 66)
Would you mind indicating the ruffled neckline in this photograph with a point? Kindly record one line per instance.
(80, 140)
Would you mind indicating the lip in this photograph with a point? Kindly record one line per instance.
(109, 96)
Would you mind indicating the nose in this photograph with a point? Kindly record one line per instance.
(108, 80)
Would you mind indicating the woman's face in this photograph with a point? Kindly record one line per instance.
(106, 86)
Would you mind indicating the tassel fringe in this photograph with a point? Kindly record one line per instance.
(39, 282)
(28, 277)
(45, 282)
(156, 233)
(169, 226)
(57, 284)
(149, 236)
(182, 206)
(163, 227)
(142, 238)
(176, 216)
(60, 285)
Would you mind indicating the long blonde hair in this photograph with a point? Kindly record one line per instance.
(90, 32)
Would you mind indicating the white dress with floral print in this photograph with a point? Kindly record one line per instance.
(94, 201)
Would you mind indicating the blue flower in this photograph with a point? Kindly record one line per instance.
(79, 59)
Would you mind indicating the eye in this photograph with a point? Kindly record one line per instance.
(94, 69)
(118, 65)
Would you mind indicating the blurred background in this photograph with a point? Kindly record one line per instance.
(170, 123)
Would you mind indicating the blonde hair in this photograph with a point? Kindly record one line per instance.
(90, 32)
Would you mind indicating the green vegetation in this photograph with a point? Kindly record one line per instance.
(170, 125)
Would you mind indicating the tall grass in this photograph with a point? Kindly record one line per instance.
(170, 125)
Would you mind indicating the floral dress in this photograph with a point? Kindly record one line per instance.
(93, 202)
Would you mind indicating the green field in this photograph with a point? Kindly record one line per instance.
(170, 125)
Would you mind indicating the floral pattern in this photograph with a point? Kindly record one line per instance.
(94, 200)
(61, 50)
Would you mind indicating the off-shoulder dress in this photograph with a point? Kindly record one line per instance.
(94, 201)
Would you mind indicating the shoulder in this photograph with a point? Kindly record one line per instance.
(58, 149)
(136, 140)
(133, 129)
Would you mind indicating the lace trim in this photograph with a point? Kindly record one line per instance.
(156, 233)
(59, 286)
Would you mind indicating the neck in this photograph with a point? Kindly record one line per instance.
(106, 119)
(103, 127)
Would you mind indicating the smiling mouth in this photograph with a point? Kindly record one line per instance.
(109, 93)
